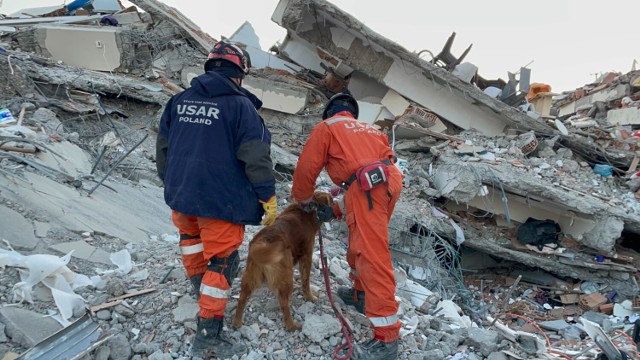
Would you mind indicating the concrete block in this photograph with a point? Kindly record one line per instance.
(187, 309)
(285, 98)
(82, 250)
(395, 103)
(17, 230)
(85, 47)
(554, 325)
(624, 116)
(42, 229)
(27, 328)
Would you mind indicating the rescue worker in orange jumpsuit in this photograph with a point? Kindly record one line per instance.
(341, 144)
(213, 155)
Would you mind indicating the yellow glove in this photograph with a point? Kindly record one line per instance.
(270, 211)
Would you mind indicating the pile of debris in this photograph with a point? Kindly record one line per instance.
(513, 237)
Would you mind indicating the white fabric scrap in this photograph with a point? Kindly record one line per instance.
(53, 272)
(122, 259)
(459, 233)
(452, 312)
(409, 326)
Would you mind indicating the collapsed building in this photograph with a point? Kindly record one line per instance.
(484, 160)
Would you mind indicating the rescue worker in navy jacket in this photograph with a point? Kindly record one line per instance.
(213, 154)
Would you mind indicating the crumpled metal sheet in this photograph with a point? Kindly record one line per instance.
(70, 343)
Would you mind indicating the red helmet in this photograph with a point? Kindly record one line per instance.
(231, 53)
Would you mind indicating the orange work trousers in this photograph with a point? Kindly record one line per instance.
(368, 253)
(207, 238)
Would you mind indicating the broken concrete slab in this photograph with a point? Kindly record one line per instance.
(588, 219)
(371, 113)
(82, 250)
(282, 97)
(89, 81)
(318, 27)
(86, 47)
(129, 18)
(186, 310)
(33, 12)
(164, 13)
(497, 245)
(395, 103)
(102, 213)
(75, 161)
(42, 228)
(25, 327)
(604, 95)
(17, 230)
(26, 22)
(628, 116)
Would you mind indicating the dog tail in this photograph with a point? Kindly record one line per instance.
(264, 253)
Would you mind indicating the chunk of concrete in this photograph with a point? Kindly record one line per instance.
(17, 230)
(628, 116)
(318, 328)
(102, 212)
(187, 309)
(484, 340)
(27, 328)
(82, 250)
(286, 98)
(554, 325)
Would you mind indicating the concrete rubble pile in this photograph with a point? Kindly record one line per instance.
(513, 238)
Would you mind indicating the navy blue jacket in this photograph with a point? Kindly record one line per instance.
(213, 152)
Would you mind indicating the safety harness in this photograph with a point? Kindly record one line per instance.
(370, 176)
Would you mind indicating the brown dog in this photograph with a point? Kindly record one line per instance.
(273, 253)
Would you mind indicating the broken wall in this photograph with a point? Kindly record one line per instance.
(339, 40)
(101, 49)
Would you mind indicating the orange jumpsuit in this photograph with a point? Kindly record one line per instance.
(342, 144)
(203, 239)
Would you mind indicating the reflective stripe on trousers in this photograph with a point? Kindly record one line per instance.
(192, 249)
(208, 238)
(384, 321)
(214, 292)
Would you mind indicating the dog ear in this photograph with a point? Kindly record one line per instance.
(323, 198)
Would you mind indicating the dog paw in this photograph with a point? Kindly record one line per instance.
(293, 326)
(310, 297)
(237, 324)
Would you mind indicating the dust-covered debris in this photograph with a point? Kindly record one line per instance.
(472, 283)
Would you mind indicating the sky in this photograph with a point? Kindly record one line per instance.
(565, 43)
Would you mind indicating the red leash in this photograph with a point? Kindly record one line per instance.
(346, 329)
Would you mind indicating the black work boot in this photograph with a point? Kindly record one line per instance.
(377, 350)
(196, 280)
(348, 295)
(210, 342)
